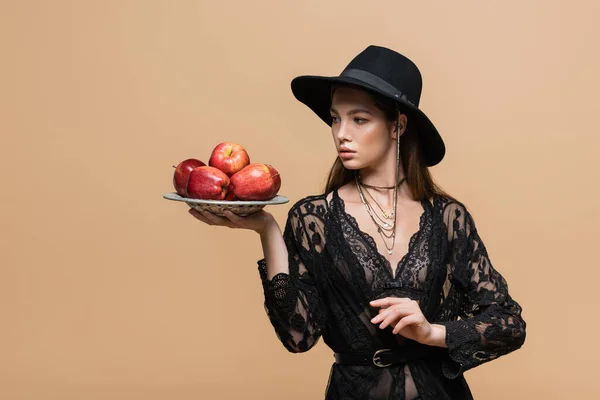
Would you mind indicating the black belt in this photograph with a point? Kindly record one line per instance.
(386, 357)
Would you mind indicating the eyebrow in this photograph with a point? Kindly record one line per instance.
(352, 112)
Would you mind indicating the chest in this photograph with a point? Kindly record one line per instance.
(392, 245)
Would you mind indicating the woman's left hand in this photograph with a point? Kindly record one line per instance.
(405, 316)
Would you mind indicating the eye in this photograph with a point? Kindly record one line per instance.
(333, 119)
(360, 121)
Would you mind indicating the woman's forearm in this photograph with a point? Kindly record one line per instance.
(274, 250)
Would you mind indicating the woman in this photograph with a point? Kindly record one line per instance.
(384, 265)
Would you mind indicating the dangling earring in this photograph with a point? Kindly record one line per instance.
(381, 228)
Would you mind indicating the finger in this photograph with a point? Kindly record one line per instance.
(404, 302)
(198, 215)
(216, 219)
(394, 315)
(389, 301)
(210, 218)
(385, 311)
(232, 216)
(406, 321)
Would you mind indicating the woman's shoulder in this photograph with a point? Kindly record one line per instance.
(449, 206)
(311, 204)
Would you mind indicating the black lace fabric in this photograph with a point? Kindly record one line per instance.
(335, 270)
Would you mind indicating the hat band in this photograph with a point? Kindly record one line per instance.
(376, 81)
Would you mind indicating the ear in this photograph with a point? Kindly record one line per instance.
(399, 126)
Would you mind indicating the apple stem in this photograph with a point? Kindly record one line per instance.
(174, 166)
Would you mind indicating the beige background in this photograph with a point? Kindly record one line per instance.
(108, 291)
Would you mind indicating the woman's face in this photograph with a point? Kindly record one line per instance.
(360, 126)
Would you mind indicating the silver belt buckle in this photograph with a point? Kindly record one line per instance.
(377, 358)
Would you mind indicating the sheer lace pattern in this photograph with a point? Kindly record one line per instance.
(335, 270)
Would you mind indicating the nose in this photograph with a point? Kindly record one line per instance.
(340, 132)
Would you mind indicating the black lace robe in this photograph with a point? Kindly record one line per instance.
(335, 270)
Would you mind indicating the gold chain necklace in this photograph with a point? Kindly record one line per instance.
(378, 205)
(381, 228)
(378, 187)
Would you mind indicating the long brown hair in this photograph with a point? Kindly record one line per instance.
(418, 177)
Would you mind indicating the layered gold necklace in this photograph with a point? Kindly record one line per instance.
(383, 227)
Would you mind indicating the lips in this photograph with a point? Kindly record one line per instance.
(346, 154)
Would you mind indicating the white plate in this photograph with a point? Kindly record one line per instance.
(278, 199)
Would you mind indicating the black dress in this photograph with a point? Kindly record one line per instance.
(335, 270)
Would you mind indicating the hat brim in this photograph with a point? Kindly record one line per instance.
(314, 92)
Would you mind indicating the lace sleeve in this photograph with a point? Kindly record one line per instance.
(490, 323)
(292, 301)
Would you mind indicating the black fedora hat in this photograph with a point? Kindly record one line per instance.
(382, 71)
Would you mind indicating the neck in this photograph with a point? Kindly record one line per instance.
(376, 177)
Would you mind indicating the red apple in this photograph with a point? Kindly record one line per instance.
(230, 195)
(229, 157)
(256, 182)
(207, 183)
(182, 173)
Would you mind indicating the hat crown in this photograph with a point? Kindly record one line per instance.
(394, 68)
(382, 71)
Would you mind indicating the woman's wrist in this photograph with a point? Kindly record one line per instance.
(269, 226)
(438, 336)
